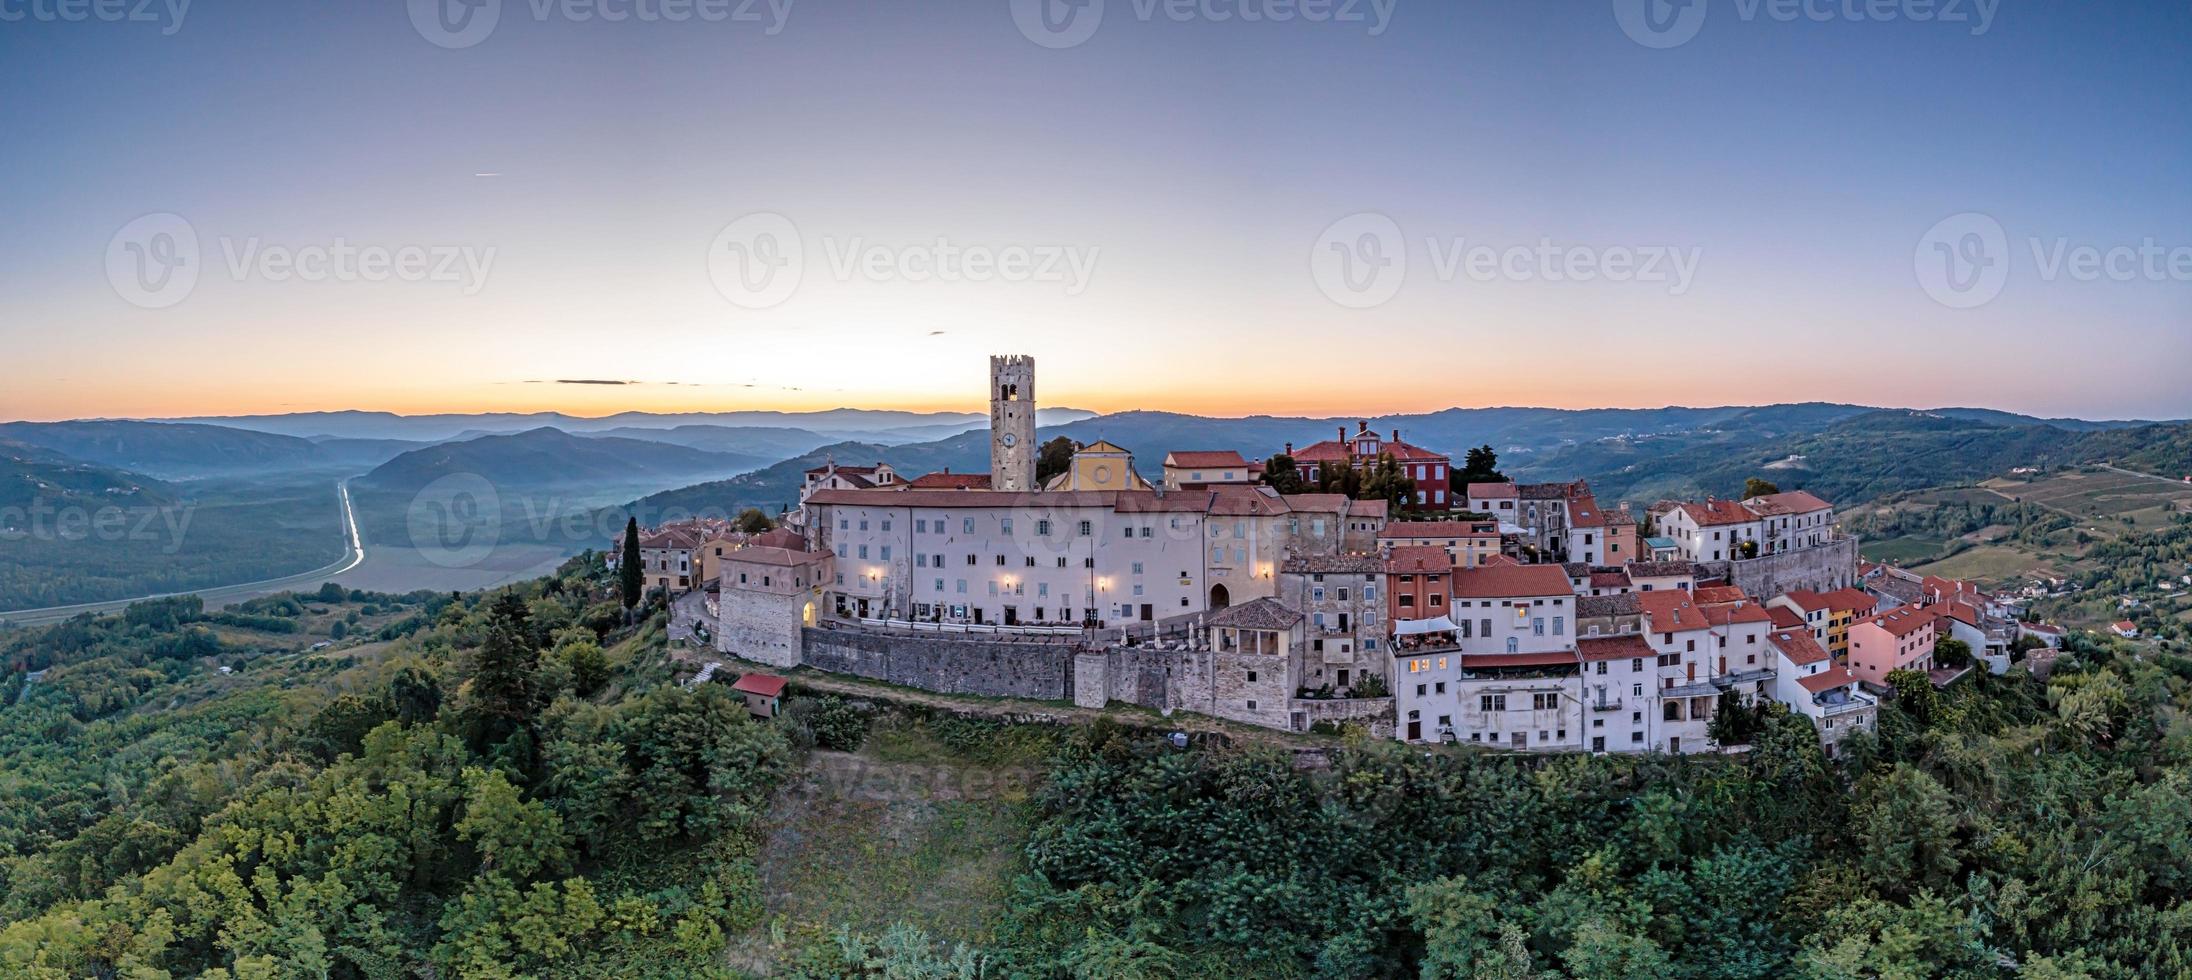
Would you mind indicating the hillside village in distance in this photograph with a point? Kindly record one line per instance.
(1362, 581)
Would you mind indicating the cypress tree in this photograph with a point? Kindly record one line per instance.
(628, 571)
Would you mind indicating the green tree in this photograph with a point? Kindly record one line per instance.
(1280, 473)
(752, 521)
(1389, 482)
(1907, 824)
(1755, 487)
(505, 693)
(1952, 653)
(1054, 458)
(631, 580)
(415, 695)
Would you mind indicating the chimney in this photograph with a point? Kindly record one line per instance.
(1396, 435)
(1290, 449)
(1362, 426)
(1343, 433)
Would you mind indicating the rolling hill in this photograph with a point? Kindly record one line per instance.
(35, 476)
(548, 458)
(169, 451)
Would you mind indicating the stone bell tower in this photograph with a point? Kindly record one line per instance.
(1012, 423)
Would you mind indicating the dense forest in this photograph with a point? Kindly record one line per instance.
(514, 784)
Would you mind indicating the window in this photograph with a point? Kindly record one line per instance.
(967, 525)
(1042, 529)
(1544, 702)
(1007, 522)
(1492, 702)
(1087, 529)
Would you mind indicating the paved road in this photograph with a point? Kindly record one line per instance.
(353, 556)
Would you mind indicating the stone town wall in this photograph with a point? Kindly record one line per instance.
(1377, 713)
(1823, 568)
(991, 668)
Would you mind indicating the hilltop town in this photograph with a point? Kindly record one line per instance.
(1362, 581)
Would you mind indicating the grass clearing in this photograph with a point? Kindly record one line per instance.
(924, 824)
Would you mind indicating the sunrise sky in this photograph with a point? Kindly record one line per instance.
(1193, 166)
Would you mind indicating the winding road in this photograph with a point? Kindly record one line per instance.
(353, 556)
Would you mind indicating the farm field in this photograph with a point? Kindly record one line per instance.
(2106, 498)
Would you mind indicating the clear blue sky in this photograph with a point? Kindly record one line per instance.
(1194, 162)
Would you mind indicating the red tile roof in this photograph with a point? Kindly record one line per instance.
(1207, 459)
(1855, 600)
(1785, 618)
(1626, 646)
(1499, 581)
(1714, 513)
(1740, 612)
(1827, 680)
(1615, 579)
(1902, 620)
(1709, 594)
(765, 685)
(1781, 504)
(1493, 491)
(1798, 646)
(1670, 612)
(950, 481)
(1418, 558)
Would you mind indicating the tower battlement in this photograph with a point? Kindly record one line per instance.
(1012, 422)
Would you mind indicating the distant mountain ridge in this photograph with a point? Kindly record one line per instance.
(438, 427)
(548, 458)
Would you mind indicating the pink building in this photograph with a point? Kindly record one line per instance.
(1899, 639)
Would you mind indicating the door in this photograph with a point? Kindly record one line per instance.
(1415, 731)
(1219, 598)
(1149, 612)
(1012, 615)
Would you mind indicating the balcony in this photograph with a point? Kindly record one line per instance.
(1607, 704)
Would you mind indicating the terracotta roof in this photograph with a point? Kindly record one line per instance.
(1543, 491)
(673, 537)
(1219, 459)
(1827, 680)
(1418, 558)
(765, 685)
(1798, 646)
(782, 537)
(1857, 600)
(1261, 614)
(1625, 646)
(1614, 579)
(1493, 581)
(1728, 614)
(1367, 508)
(1440, 529)
(1662, 569)
(1716, 513)
(1670, 612)
(1709, 594)
(1785, 618)
(1493, 491)
(2124, 626)
(784, 557)
(1781, 504)
(950, 481)
(1902, 620)
(2047, 629)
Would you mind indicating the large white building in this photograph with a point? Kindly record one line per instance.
(1719, 530)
